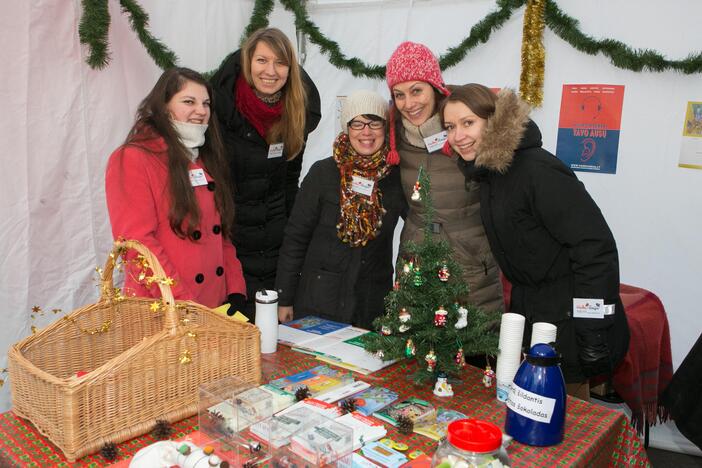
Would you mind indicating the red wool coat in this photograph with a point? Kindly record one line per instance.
(205, 270)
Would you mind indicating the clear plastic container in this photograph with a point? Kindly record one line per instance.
(471, 443)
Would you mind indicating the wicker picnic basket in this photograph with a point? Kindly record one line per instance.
(142, 365)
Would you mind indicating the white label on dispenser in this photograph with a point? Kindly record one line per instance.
(530, 405)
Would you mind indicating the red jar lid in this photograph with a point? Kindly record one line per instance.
(474, 435)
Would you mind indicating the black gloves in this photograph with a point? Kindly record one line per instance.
(593, 350)
(237, 302)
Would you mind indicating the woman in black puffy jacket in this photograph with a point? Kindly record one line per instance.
(266, 105)
(545, 231)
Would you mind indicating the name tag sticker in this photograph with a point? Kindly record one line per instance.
(362, 185)
(275, 150)
(435, 142)
(588, 308)
(197, 177)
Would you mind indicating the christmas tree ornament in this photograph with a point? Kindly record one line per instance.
(396, 286)
(460, 358)
(416, 196)
(442, 388)
(431, 360)
(488, 375)
(417, 280)
(444, 273)
(462, 321)
(440, 316)
(385, 330)
(404, 317)
(410, 349)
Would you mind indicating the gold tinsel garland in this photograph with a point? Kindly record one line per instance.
(531, 81)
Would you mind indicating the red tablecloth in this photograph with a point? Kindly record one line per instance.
(595, 436)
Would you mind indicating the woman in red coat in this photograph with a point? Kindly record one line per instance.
(167, 187)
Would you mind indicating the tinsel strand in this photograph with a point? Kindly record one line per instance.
(531, 80)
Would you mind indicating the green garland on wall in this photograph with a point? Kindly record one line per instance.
(479, 33)
(620, 54)
(139, 20)
(92, 31)
(95, 22)
(259, 18)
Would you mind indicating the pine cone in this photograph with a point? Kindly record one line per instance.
(109, 451)
(349, 405)
(302, 393)
(405, 425)
(162, 430)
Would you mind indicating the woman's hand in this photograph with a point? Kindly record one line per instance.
(285, 313)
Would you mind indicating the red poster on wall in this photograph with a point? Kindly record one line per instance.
(589, 125)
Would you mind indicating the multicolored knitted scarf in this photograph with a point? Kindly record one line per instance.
(361, 216)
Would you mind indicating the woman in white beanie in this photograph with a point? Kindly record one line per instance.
(336, 258)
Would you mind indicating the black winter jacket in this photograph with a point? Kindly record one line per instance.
(264, 189)
(320, 275)
(550, 240)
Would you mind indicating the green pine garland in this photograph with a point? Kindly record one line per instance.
(92, 30)
(621, 55)
(259, 18)
(95, 23)
(139, 19)
(479, 33)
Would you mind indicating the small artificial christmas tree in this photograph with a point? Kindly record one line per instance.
(427, 314)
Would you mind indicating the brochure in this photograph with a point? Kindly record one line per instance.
(374, 399)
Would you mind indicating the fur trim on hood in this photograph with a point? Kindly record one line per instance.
(503, 132)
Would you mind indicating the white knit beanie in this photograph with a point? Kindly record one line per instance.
(362, 102)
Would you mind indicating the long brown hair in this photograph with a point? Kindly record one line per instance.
(479, 99)
(153, 120)
(290, 129)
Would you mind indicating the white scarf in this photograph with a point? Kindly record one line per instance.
(191, 135)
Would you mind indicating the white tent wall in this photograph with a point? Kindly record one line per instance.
(62, 119)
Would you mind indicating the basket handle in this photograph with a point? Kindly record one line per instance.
(107, 286)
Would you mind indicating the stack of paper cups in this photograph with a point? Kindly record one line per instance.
(510, 352)
(267, 319)
(542, 332)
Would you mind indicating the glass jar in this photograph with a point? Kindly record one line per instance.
(471, 443)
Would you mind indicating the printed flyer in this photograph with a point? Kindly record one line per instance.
(589, 125)
(691, 144)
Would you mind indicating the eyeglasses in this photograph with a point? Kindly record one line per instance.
(373, 124)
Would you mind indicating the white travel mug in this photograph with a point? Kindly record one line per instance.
(267, 319)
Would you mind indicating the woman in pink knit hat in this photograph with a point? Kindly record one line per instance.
(416, 140)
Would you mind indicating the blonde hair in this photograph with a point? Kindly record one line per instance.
(290, 129)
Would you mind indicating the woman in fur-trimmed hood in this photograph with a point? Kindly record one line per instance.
(545, 231)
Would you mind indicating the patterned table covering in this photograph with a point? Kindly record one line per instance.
(594, 435)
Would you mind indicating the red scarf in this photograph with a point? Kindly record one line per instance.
(258, 113)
